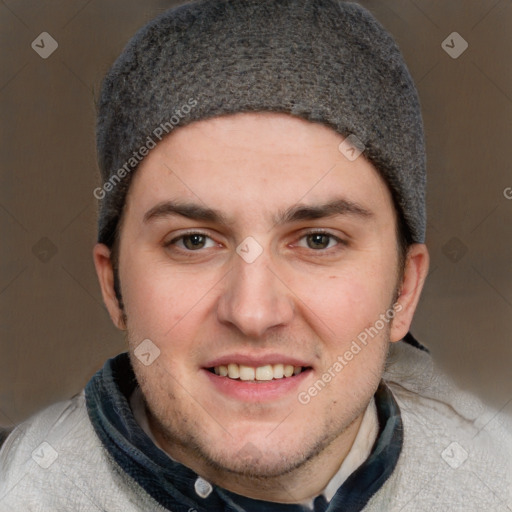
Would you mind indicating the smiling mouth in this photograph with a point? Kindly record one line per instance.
(264, 373)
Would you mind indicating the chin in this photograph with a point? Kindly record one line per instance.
(253, 462)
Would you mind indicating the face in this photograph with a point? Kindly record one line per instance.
(252, 246)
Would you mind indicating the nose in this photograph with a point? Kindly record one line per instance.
(255, 299)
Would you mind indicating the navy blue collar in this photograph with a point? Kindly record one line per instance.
(172, 484)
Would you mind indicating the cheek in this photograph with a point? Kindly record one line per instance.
(161, 302)
(344, 304)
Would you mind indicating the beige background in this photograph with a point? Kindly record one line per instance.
(55, 332)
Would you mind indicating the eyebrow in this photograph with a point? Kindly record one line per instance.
(188, 210)
(311, 212)
(299, 212)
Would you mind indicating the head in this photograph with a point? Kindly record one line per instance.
(247, 240)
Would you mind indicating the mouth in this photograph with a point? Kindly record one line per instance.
(258, 378)
(258, 374)
(262, 379)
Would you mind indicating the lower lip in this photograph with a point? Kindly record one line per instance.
(256, 391)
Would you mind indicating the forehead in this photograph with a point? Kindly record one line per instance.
(254, 162)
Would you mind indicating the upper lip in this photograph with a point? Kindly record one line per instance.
(255, 360)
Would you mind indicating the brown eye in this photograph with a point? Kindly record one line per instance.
(318, 240)
(186, 244)
(194, 241)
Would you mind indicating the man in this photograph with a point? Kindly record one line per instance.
(261, 244)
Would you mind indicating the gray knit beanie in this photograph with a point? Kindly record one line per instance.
(325, 61)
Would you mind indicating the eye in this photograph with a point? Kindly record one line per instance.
(319, 241)
(192, 242)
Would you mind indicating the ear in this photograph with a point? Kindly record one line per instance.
(415, 273)
(105, 273)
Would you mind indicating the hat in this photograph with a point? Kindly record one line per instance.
(324, 61)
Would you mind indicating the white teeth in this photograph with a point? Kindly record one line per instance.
(233, 371)
(288, 370)
(278, 371)
(261, 373)
(247, 373)
(264, 372)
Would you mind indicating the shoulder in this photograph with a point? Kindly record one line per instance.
(457, 452)
(51, 430)
(55, 462)
(36, 455)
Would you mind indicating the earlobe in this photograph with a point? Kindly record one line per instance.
(105, 273)
(415, 273)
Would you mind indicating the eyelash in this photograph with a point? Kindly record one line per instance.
(184, 235)
(340, 241)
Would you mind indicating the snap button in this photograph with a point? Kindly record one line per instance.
(203, 488)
